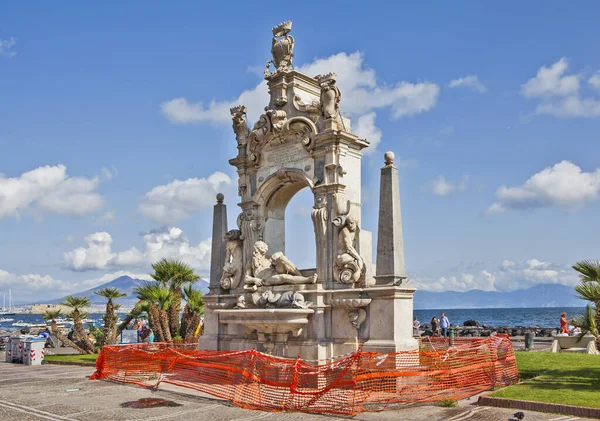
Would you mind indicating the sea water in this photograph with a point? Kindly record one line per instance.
(544, 317)
(548, 317)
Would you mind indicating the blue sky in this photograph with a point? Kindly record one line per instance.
(115, 133)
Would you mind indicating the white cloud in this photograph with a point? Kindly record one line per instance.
(172, 243)
(464, 282)
(96, 255)
(34, 288)
(129, 258)
(365, 128)
(471, 82)
(48, 189)
(108, 216)
(361, 92)
(551, 81)
(572, 106)
(441, 187)
(594, 81)
(509, 276)
(170, 203)
(560, 93)
(167, 242)
(564, 185)
(108, 174)
(6, 45)
(522, 275)
(29, 283)
(361, 95)
(181, 111)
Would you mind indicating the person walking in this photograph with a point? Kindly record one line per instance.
(444, 325)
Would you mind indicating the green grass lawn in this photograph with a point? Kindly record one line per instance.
(569, 379)
(80, 358)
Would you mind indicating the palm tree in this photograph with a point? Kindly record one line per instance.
(174, 274)
(81, 339)
(589, 289)
(192, 312)
(148, 293)
(110, 318)
(53, 315)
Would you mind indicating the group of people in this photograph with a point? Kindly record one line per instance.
(145, 333)
(439, 326)
(566, 328)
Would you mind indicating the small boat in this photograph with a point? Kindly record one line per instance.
(5, 319)
(21, 323)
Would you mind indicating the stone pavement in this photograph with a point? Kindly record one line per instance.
(64, 393)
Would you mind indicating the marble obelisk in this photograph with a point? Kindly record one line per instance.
(390, 247)
(217, 257)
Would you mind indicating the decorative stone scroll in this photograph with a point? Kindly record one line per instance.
(269, 299)
(356, 314)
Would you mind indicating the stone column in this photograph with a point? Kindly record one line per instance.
(390, 247)
(217, 256)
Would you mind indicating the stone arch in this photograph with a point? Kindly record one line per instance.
(273, 196)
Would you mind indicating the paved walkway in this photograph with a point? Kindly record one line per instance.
(64, 393)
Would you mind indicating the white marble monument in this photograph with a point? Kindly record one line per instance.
(258, 297)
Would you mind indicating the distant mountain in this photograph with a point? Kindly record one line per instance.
(542, 295)
(126, 285)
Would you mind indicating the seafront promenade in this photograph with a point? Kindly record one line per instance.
(64, 393)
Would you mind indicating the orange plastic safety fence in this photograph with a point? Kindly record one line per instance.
(362, 381)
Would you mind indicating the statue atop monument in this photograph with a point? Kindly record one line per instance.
(240, 127)
(282, 48)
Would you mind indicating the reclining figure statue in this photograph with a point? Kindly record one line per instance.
(277, 270)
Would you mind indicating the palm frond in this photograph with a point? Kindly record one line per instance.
(586, 321)
(173, 273)
(76, 302)
(589, 270)
(52, 314)
(588, 291)
(111, 293)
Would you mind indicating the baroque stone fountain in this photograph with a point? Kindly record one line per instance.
(262, 300)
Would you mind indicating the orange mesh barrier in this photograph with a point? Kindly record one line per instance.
(348, 385)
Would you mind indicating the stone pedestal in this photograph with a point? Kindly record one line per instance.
(390, 320)
(340, 321)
